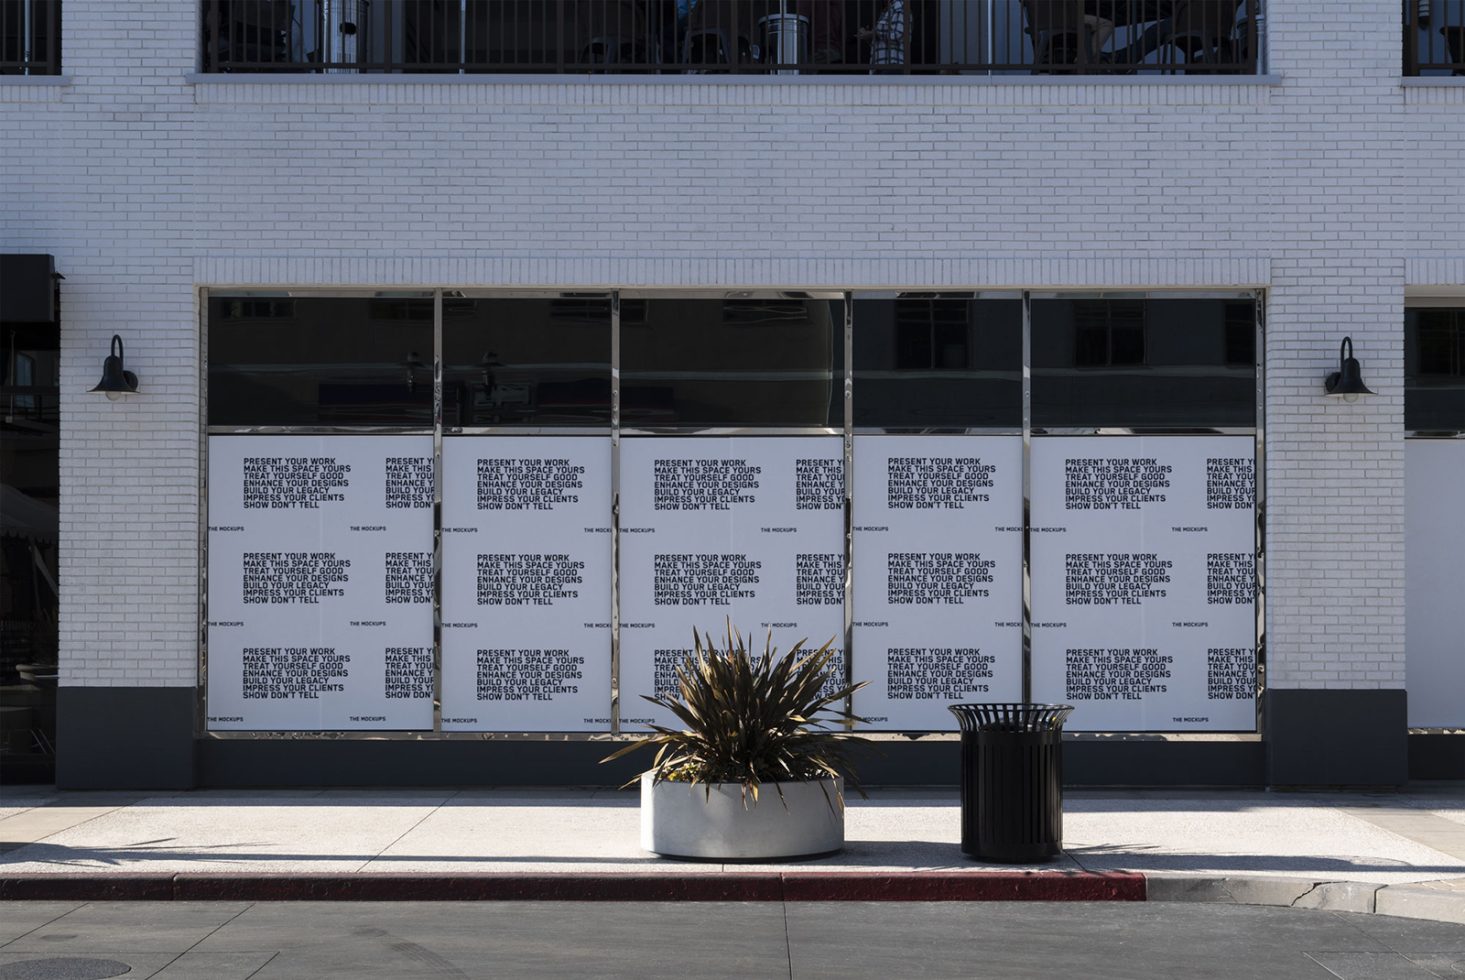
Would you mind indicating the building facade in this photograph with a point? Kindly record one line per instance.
(1104, 296)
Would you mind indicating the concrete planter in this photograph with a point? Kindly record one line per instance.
(681, 820)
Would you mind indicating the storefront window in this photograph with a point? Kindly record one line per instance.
(315, 361)
(741, 360)
(1137, 362)
(938, 360)
(356, 574)
(527, 361)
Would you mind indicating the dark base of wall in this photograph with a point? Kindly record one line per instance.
(923, 762)
(1437, 756)
(124, 738)
(1337, 738)
(1158, 762)
(142, 738)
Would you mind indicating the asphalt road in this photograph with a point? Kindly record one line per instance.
(847, 940)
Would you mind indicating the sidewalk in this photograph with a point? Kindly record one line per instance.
(1397, 854)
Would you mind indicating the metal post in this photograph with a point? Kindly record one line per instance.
(615, 512)
(849, 510)
(1027, 497)
(1260, 505)
(437, 511)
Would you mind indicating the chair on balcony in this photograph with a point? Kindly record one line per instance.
(614, 50)
(1063, 34)
(715, 46)
(1202, 31)
(714, 36)
(613, 33)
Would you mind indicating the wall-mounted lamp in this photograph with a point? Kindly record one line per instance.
(1346, 382)
(116, 382)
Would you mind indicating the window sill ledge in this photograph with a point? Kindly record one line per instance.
(33, 88)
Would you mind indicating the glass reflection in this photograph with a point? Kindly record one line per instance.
(737, 361)
(938, 360)
(320, 360)
(1129, 362)
(1434, 370)
(527, 361)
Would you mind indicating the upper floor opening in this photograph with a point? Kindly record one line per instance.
(30, 37)
(1434, 37)
(851, 37)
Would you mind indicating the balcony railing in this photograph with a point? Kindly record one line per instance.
(1434, 37)
(30, 37)
(732, 36)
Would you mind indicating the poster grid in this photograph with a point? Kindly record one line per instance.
(614, 435)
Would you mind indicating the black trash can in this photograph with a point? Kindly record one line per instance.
(1012, 780)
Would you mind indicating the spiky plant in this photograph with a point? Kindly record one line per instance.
(751, 719)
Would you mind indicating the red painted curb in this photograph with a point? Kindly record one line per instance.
(88, 888)
(796, 886)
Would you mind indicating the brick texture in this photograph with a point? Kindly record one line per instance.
(1329, 182)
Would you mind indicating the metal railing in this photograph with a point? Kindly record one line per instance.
(1434, 37)
(732, 36)
(30, 37)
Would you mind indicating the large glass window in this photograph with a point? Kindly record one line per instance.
(527, 361)
(743, 484)
(1143, 362)
(1434, 369)
(744, 359)
(938, 360)
(283, 360)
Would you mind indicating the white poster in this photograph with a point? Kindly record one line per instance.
(320, 583)
(712, 528)
(526, 583)
(937, 576)
(1143, 581)
(1434, 583)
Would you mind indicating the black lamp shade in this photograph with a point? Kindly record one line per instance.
(1347, 381)
(116, 380)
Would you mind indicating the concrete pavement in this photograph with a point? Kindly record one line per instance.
(644, 940)
(1400, 854)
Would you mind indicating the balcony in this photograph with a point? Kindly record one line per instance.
(750, 37)
(1434, 37)
(30, 37)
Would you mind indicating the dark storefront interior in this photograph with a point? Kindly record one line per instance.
(29, 438)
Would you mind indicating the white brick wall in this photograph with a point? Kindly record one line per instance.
(1333, 184)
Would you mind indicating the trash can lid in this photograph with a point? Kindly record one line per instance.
(1011, 716)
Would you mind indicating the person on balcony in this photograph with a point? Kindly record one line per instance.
(887, 37)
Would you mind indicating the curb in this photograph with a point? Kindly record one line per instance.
(1414, 901)
(916, 886)
(1410, 901)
